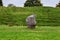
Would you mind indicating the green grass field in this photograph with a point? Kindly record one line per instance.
(23, 33)
(17, 15)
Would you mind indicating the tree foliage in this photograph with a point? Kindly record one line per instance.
(0, 2)
(31, 3)
(11, 5)
(58, 5)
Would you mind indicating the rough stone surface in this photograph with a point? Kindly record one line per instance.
(31, 21)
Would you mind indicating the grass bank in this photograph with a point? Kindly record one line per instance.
(17, 15)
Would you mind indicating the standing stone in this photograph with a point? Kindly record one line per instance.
(31, 22)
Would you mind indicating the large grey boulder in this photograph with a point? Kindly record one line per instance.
(31, 21)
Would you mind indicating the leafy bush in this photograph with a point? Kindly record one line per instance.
(31, 3)
(11, 5)
(58, 5)
(1, 3)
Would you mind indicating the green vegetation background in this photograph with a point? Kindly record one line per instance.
(17, 15)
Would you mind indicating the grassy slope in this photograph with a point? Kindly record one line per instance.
(22, 33)
(44, 15)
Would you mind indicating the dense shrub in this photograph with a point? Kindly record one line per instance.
(1, 3)
(11, 5)
(58, 5)
(31, 3)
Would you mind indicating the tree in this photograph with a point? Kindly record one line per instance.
(58, 5)
(31, 3)
(1, 3)
(11, 5)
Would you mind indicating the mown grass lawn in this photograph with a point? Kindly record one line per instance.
(23, 33)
